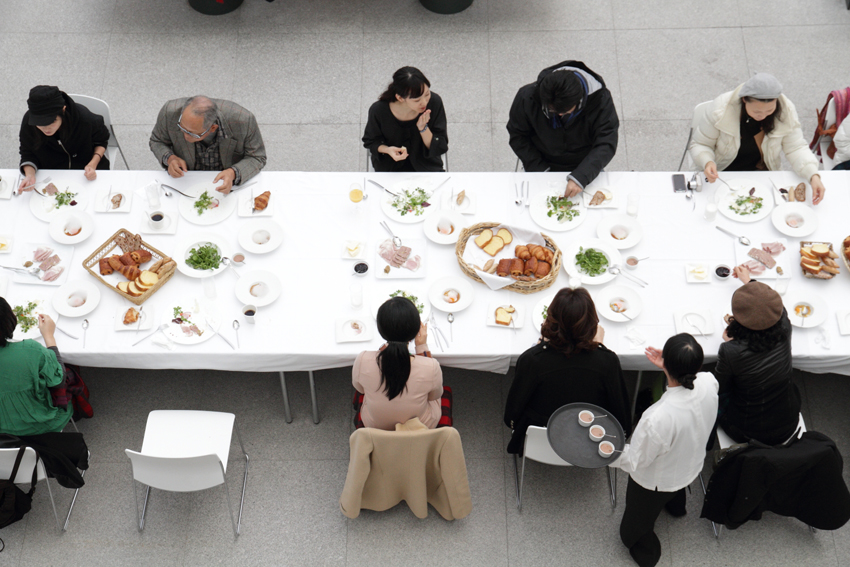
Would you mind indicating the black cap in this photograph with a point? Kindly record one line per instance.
(45, 104)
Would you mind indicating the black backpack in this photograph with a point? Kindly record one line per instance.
(14, 502)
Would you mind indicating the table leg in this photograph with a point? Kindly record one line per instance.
(313, 397)
(287, 412)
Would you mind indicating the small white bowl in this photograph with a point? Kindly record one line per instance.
(585, 413)
(722, 278)
(633, 259)
(596, 438)
(607, 445)
(358, 263)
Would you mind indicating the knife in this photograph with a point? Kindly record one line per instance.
(242, 187)
(440, 185)
(778, 192)
(226, 340)
(58, 328)
(149, 335)
(139, 328)
(379, 186)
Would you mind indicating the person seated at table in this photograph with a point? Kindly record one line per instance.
(568, 364)
(748, 129)
(392, 385)
(666, 452)
(27, 372)
(204, 134)
(58, 133)
(566, 121)
(406, 128)
(754, 367)
(842, 145)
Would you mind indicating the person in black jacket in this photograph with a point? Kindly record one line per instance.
(566, 121)
(57, 133)
(406, 129)
(569, 364)
(754, 367)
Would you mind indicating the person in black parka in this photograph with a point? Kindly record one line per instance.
(566, 121)
(57, 133)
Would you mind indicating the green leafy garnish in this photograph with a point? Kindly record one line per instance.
(746, 205)
(399, 293)
(64, 198)
(545, 312)
(203, 203)
(204, 257)
(591, 261)
(562, 209)
(411, 202)
(26, 320)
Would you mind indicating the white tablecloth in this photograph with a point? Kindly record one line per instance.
(297, 331)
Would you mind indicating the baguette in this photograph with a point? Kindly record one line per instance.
(830, 269)
(820, 250)
(157, 264)
(166, 268)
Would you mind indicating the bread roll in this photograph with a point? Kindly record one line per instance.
(521, 252)
(504, 267)
(166, 268)
(105, 268)
(530, 266)
(517, 267)
(542, 269)
(140, 256)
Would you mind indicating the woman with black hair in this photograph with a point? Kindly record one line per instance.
(406, 128)
(754, 367)
(395, 385)
(666, 452)
(57, 133)
(27, 372)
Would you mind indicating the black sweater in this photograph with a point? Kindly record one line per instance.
(545, 380)
(382, 128)
(80, 133)
(585, 146)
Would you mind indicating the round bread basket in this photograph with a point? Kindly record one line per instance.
(518, 286)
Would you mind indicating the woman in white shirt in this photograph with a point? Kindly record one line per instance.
(667, 449)
(842, 145)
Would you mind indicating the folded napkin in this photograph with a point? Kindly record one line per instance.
(823, 338)
(636, 338)
(151, 192)
(473, 255)
(162, 341)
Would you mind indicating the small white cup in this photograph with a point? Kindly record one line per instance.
(632, 204)
(250, 313)
(632, 262)
(585, 414)
(606, 446)
(156, 219)
(710, 212)
(593, 430)
(356, 291)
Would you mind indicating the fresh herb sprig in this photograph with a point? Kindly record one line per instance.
(399, 293)
(203, 203)
(545, 312)
(206, 257)
(746, 205)
(562, 209)
(26, 320)
(591, 261)
(413, 201)
(64, 198)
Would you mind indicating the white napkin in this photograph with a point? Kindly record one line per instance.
(823, 338)
(161, 340)
(635, 337)
(6, 186)
(151, 192)
(475, 255)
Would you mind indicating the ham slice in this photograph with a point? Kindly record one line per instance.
(754, 266)
(763, 257)
(400, 257)
(773, 248)
(50, 262)
(42, 253)
(51, 189)
(413, 264)
(52, 274)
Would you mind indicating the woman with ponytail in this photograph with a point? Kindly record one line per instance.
(666, 452)
(395, 386)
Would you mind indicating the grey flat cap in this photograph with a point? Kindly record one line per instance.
(762, 86)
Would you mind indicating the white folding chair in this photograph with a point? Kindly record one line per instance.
(828, 162)
(100, 107)
(444, 158)
(24, 476)
(698, 110)
(186, 451)
(537, 448)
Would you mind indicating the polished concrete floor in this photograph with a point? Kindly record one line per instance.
(309, 69)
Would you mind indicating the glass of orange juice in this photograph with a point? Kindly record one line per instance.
(355, 193)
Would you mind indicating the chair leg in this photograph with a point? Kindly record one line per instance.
(313, 397)
(229, 506)
(120, 151)
(685, 154)
(713, 525)
(53, 503)
(287, 411)
(521, 479)
(516, 169)
(140, 517)
(516, 479)
(74, 499)
(244, 479)
(612, 484)
(74, 425)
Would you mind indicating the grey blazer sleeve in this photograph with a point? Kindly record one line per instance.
(253, 151)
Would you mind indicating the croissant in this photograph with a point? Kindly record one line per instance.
(127, 259)
(130, 272)
(517, 267)
(262, 201)
(521, 252)
(550, 256)
(530, 266)
(105, 268)
(504, 267)
(542, 269)
(140, 256)
(537, 251)
(114, 262)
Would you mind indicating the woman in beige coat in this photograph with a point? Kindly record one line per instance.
(748, 129)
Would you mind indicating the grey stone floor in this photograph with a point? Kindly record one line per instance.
(309, 69)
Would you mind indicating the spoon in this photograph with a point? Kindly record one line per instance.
(396, 239)
(85, 326)
(742, 239)
(451, 319)
(365, 195)
(618, 272)
(236, 329)
(166, 191)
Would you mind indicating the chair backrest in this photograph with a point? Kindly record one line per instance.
(100, 107)
(177, 474)
(698, 112)
(538, 448)
(725, 441)
(828, 162)
(7, 463)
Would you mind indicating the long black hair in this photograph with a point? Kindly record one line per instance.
(408, 82)
(683, 358)
(759, 341)
(398, 323)
(769, 123)
(8, 322)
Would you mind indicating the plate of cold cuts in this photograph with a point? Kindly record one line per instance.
(192, 323)
(51, 262)
(766, 259)
(400, 262)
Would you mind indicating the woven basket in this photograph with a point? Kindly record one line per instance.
(91, 264)
(518, 286)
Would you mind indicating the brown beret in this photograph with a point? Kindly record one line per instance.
(756, 306)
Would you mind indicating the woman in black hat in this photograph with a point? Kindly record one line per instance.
(57, 133)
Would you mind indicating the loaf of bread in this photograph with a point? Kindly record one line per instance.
(105, 268)
(140, 256)
(504, 267)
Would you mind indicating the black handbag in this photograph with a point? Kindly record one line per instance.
(14, 502)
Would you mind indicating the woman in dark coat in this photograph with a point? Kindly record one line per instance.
(57, 133)
(569, 364)
(406, 129)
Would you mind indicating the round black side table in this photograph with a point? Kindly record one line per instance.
(215, 7)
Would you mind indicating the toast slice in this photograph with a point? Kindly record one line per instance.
(503, 317)
(123, 286)
(505, 235)
(820, 250)
(133, 290)
(484, 238)
(494, 246)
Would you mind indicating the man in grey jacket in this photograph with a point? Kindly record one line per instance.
(204, 134)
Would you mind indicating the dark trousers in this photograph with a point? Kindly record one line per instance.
(844, 164)
(637, 530)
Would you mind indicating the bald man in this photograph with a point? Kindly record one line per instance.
(204, 134)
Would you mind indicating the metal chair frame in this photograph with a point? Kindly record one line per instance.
(101, 108)
(444, 158)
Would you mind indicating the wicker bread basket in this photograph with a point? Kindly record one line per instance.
(91, 264)
(809, 244)
(471, 232)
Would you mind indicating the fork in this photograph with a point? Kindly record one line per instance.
(33, 271)
(175, 189)
(518, 200)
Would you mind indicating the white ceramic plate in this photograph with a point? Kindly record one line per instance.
(4, 283)
(409, 218)
(258, 287)
(66, 299)
(623, 224)
(447, 220)
(843, 317)
(416, 290)
(802, 214)
(44, 208)
(246, 202)
(44, 306)
(816, 302)
(361, 251)
(6, 186)
(147, 317)
(609, 203)
(260, 236)
(467, 207)
(783, 259)
(697, 322)
(26, 253)
(724, 198)
(537, 312)
(103, 201)
(226, 205)
(569, 260)
(457, 283)
(691, 275)
(417, 245)
(6, 242)
(204, 316)
(194, 241)
(518, 316)
(168, 226)
(539, 210)
(345, 332)
(625, 296)
(69, 220)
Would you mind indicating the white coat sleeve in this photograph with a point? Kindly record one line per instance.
(704, 137)
(802, 160)
(842, 142)
(645, 446)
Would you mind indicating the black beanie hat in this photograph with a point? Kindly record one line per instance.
(45, 104)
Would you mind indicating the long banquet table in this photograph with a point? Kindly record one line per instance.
(297, 331)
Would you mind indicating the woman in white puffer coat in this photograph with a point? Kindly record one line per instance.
(748, 129)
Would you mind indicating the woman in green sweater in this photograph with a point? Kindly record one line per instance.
(27, 371)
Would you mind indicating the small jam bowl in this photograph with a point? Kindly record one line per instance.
(359, 266)
(722, 269)
(606, 449)
(596, 433)
(585, 415)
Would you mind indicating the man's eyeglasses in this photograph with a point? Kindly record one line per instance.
(549, 112)
(185, 131)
